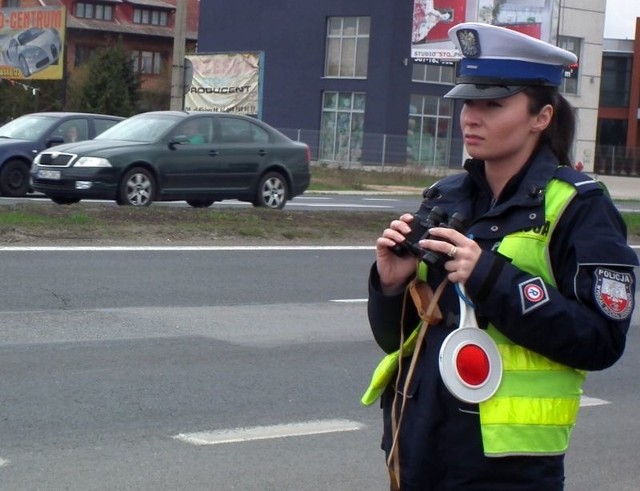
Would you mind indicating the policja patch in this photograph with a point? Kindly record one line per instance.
(612, 293)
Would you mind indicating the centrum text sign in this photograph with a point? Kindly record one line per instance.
(32, 43)
(15, 20)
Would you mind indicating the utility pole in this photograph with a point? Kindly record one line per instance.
(177, 65)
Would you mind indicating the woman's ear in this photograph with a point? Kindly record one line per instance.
(543, 119)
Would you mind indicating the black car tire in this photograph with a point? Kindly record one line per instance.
(137, 188)
(14, 178)
(200, 203)
(272, 191)
(61, 200)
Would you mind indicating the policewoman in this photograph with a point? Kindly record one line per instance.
(541, 279)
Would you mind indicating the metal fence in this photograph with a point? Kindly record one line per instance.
(617, 161)
(382, 150)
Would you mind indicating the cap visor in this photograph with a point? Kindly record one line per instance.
(475, 91)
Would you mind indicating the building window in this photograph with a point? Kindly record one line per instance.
(149, 16)
(11, 4)
(342, 126)
(611, 153)
(569, 84)
(429, 131)
(439, 74)
(93, 10)
(347, 52)
(146, 62)
(82, 54)
(615, 85)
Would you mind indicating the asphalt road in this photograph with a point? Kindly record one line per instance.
(400, 203)
(308, 201)
(124, 370)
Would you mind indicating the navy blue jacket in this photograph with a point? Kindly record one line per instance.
(440, 444)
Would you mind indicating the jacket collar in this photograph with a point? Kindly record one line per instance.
(526, 188)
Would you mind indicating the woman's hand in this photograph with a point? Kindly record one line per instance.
(462, 251)
(394, 271)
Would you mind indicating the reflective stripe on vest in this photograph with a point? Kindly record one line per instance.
(536, 407)
(388, 366)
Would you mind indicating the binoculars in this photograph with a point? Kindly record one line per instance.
(420, 230)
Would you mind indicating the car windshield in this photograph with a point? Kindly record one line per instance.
(26, 127)
(142, 128)
(29, 35)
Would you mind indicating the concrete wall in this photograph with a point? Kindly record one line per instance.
(585, 19)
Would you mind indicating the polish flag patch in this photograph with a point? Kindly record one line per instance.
(612, 293)
(533, 294)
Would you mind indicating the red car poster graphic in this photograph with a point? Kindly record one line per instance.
(432, 19)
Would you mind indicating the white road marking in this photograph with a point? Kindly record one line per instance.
(3, 462)
(237, 435)
(195, 248)
(349, 300)
(381, 199)
(186, 248)
(333, 205)
(586, 401)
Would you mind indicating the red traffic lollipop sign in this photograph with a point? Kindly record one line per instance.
(470, 363)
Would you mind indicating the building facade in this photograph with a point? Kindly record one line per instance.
(145, 28)
(618, 132)
(344, 75)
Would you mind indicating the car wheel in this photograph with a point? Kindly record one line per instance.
(24, 66)
(200, 203)
(60, 200)
(272, 191)
(14, 178)
(137, 188)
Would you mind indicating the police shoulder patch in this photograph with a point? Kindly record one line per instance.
(533, 294)
(612, 293)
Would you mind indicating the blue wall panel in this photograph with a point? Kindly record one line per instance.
(292, 35)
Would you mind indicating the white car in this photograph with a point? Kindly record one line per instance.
(32, 50)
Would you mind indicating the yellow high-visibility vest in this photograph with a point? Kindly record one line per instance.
(536, 406)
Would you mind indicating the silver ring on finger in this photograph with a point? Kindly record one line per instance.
(452, 251)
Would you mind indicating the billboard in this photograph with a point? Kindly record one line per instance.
(32, 43)
(225, 82)
(432, 19)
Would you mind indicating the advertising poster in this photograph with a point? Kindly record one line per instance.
(32, 43)
(432, 19)
(225, 82)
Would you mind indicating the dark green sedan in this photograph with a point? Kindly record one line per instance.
(175, 155)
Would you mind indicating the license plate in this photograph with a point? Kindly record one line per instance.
(48, 174)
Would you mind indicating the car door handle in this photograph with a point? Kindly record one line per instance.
(214, 153)
(262, 153)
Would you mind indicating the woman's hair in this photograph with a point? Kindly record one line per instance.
(561, 131)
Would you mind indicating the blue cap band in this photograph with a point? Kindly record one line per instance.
(511, 70)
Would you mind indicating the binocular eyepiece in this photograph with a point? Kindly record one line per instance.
(420, 230)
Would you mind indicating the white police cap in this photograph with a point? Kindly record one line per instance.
(499, 62)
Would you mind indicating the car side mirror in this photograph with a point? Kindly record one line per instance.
(178, 140)
(55, 140)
